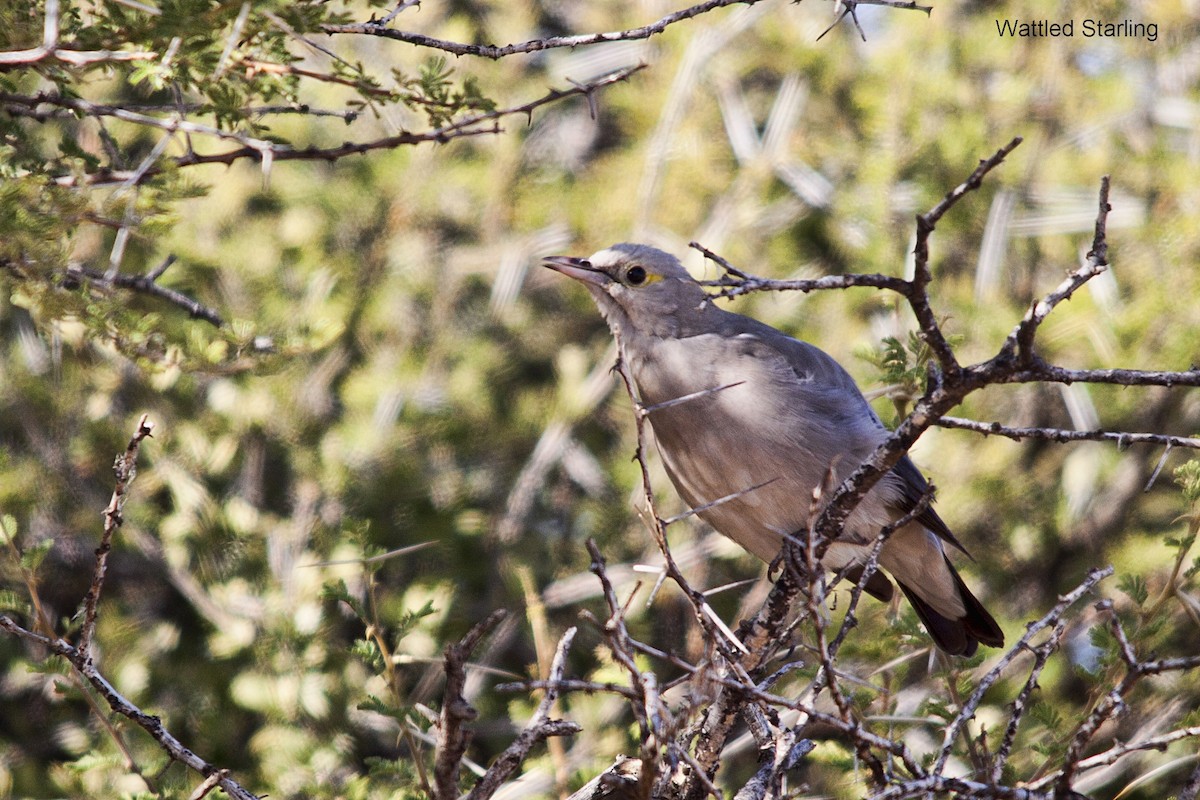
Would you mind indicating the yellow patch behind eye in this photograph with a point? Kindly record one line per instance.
(650, 278)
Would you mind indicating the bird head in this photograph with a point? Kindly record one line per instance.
(638, 288)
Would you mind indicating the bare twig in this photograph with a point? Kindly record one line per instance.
(453, 735)
(83, 663)
(1051, 618)
(1111, 704)
(379, 28)
(871, 565)
(917, 295)
(148, 284)
(539, 728)
(1041, 654)
(850, 9)
(705, 615)
(564, 685)
(1121, 438)
(125, 469)
(1020, 341)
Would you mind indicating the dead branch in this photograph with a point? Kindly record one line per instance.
(125, 469)
(1051, 618)
(85, 666)
(453, 734)
(1121, 438)
(539, 728)
(148, 285)
(379, 28)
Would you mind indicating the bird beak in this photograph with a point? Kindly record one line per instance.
(578, 268)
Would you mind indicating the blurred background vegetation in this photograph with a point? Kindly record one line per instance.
(395, 370)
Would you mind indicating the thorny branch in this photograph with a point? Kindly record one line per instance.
(268, 152)
(125, 470)
(379, 28)
(148, 285)
(1121, 438)
(83, 663)
(453, 734)
(539, 728)
(950, 383)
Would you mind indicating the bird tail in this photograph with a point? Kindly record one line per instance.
(962, 636)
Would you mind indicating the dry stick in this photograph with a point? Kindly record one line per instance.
(564, 685)
(814, 575)
(720, 717)
(1061, 435)
(1120, 749)
(379, 28)
(125, 469)
(761, 635)
(954, 383)
(618, 639)
(940, 785)
(943, 395)
(1051, 617)
(453, 735)
(918, 295)
(82, 662)
(853, 729)
(1040, 372)
(539, 728)
(871, 565)
(707, 618)
(1020, 341)
(210, 783)
(533, 45)
(828, 675)
(30, 107)
(147, 284)
(1041, 654)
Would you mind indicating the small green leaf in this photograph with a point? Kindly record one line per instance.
(1135, 587)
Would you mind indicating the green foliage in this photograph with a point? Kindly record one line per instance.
(1188, 477)
(229, 71)
(903, 367)
(1135, 587)
(435, 93)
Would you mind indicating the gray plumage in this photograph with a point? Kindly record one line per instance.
(794, 415)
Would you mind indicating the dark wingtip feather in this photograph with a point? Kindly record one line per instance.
(958, 637)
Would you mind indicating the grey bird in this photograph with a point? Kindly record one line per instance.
(793, 415)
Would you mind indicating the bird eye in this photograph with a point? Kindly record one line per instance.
(636, 276)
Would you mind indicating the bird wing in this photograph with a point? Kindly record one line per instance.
(825, 387)
(913, 487)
